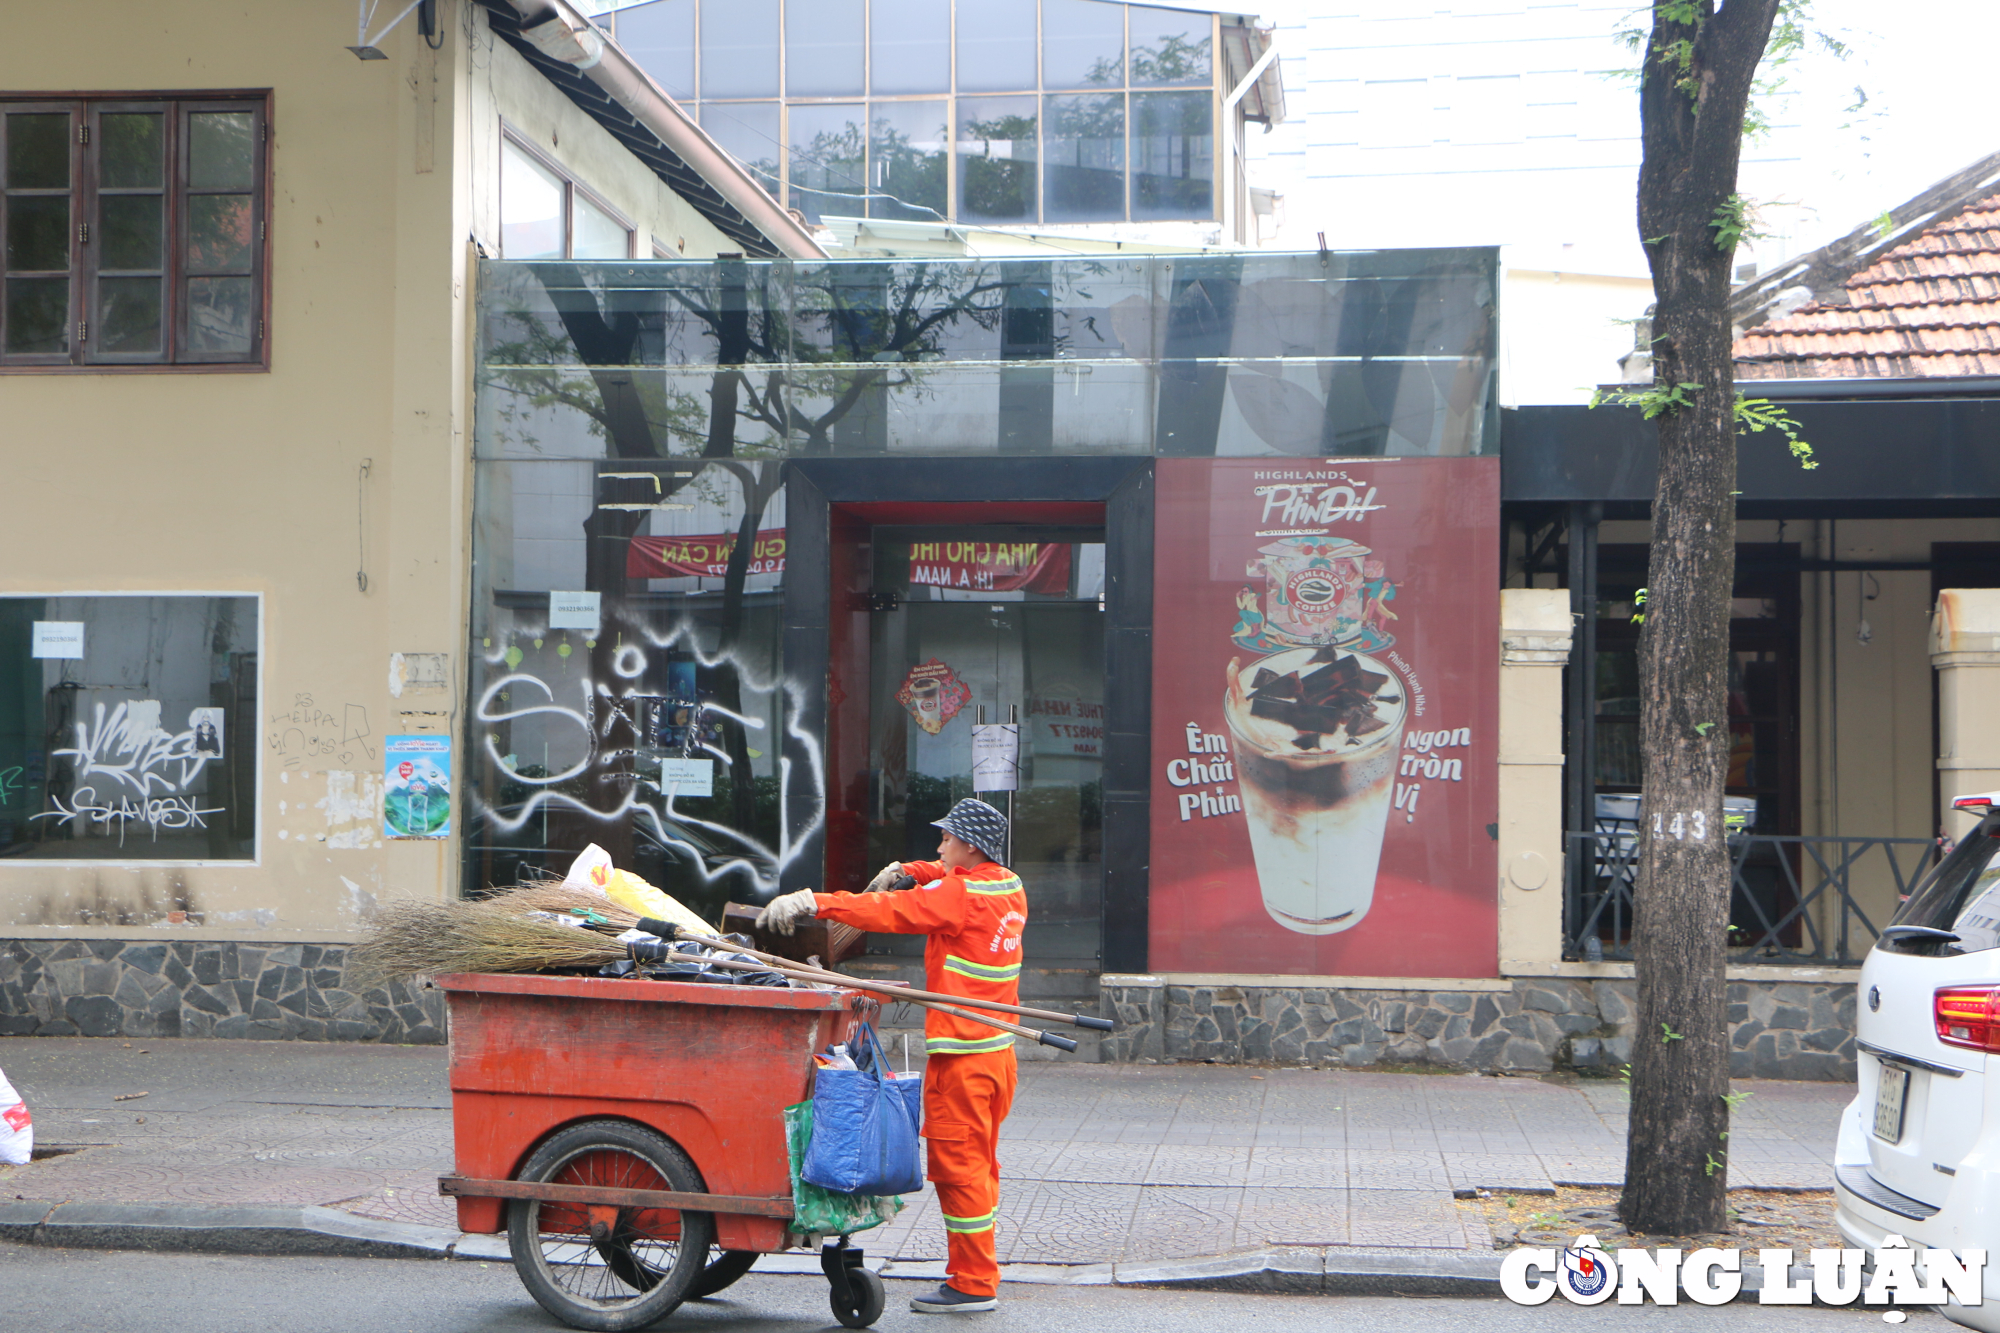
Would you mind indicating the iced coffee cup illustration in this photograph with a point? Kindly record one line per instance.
(1313, 588)
(1316, 733)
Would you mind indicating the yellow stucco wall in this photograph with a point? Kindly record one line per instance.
(384, 173)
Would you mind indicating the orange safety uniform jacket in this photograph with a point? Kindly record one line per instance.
(973, 920)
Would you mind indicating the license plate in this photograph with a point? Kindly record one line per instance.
(1892, 1091)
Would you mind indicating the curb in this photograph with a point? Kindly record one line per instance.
(325, 1232)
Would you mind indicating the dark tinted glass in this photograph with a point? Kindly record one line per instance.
(37, 317)
(828, 144)
(1083, 44)
(218, 229)
(130, 155)
(222, 150)
(996, 45)
(823, 56)
(739, 48)
(907, 145)
(128, 315)
(130, 231)
(221, 312)
(37, 233)
(996, 159)
(1169, 46)
(37, 151)
(1963, 897)
(909, 46)
(660, 37)
(1084, 158)
(748, 131)
(1173, 156)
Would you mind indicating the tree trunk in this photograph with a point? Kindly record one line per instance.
(1676, 1169)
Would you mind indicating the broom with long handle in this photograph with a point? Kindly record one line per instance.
(491, 935)
(578, 902)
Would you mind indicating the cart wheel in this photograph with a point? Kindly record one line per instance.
(868, 1297)
(722, 1270)
(600, 1267)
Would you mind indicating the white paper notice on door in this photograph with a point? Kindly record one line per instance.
(57, 638)
(573, 610)
(687, 777)
(996, 757)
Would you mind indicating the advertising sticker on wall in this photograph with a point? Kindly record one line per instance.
(416, 794)
(1325, 695)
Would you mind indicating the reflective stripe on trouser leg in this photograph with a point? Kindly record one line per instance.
(972, 1263)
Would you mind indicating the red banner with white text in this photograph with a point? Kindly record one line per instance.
(979, 566)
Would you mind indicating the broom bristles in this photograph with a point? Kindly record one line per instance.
(427, 939)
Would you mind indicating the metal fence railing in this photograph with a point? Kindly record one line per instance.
(1792, 899)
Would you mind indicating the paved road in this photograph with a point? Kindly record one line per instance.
(1100, 1163)
(56, 1291)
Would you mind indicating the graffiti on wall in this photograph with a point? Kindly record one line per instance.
(130, 771)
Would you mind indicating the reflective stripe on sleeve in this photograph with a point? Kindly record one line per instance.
(993, 888)
(956, 1046)
(965, 967)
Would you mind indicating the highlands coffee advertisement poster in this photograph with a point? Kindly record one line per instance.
(1325, 699)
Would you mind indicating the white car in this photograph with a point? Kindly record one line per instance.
(1919, 1149)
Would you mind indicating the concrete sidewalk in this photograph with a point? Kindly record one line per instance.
(1132, 1165)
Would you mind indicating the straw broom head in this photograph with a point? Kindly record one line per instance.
(413, 939)
(550, 895)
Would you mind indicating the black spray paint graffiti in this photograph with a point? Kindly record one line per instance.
(131, 771)
(309, 734)
(598, 706)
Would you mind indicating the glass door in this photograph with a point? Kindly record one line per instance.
(1015, 625)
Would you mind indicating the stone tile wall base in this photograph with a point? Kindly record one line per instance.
(203, 988)
(1780, 1029)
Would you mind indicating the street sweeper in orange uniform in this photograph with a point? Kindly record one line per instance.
(972, 908)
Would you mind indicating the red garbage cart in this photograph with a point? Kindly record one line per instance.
(629, 1135)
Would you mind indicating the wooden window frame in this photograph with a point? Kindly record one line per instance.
(85, 111)
(571, 188)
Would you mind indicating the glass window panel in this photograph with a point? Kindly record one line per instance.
(1084, 158)
(221, 314)
(1169, 46)
(38, 151)
(37, 233)
(747, 131)
(531, 206)
(823, 55)
(1083, 44)
(131, 155)
(827, 160)
(1173, 156)
(996, 159)
(739, 48)
(129, 230)
(128, 315)
(909, 46)
(996, 45)
(597, 234)
(907, 145)
(218, 233)
(222, 150)
(660, 37)
(37, 315)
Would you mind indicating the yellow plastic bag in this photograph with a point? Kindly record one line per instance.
(592, 870)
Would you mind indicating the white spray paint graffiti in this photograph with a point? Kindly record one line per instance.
(653, 810)
(142, 764)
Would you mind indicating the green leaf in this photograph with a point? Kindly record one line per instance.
(1703, 728)
(1668, 1034)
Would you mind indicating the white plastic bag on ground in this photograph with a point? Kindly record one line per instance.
(17, 1131)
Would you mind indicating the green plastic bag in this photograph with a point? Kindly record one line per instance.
(825, 1211)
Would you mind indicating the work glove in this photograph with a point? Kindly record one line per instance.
(885, 880)
(784, 913)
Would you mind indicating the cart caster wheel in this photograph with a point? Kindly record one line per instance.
(609, 1268)
(868, 1296)
(723, 1270)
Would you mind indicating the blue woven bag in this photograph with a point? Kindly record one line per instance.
(865, 1126)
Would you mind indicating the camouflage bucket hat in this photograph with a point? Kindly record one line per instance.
(978, 824)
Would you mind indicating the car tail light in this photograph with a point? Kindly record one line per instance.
(1968, 1016)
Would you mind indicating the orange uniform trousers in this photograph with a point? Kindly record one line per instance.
(965, 1099)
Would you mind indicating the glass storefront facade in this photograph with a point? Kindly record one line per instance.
(756, 543)
(1002, 111)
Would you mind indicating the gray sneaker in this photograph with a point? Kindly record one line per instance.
(947, 1301)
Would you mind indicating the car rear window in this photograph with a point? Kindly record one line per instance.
(1961, 896)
